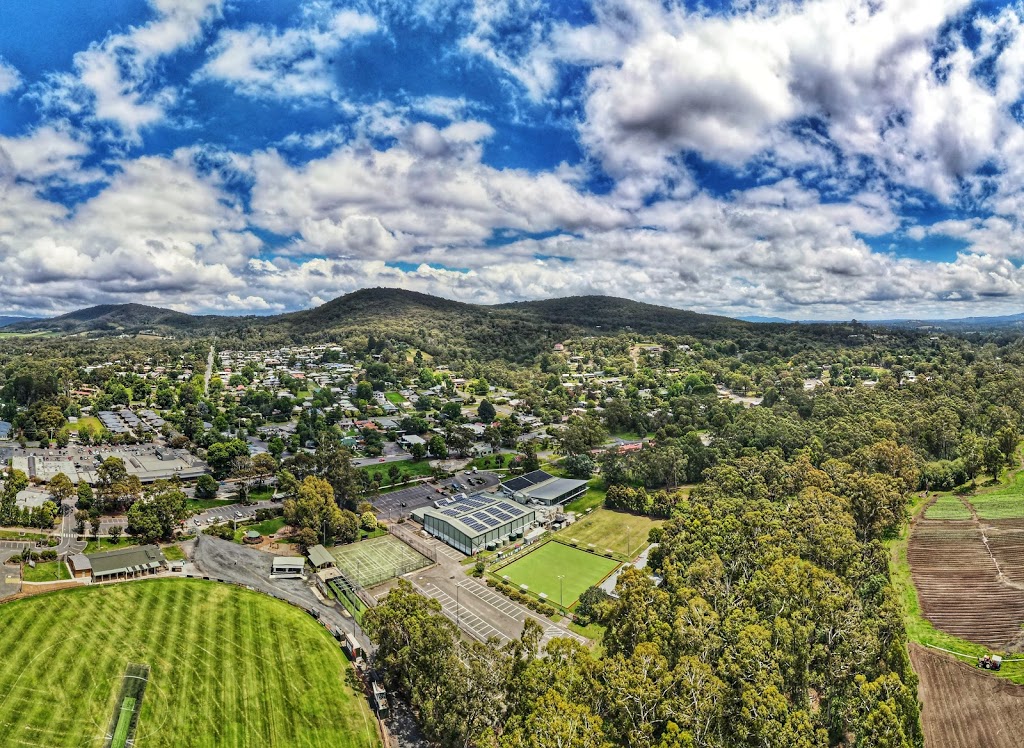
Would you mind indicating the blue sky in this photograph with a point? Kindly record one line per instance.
(817, 159)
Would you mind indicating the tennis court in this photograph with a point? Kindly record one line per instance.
(371, 562)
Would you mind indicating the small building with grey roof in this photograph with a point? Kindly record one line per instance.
(320, 557)
(541, 487)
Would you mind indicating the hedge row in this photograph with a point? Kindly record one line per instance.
(521, 597)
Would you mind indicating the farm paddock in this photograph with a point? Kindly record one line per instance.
(963, 587)
(964, 707)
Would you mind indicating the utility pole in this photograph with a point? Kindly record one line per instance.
(457, 609)
(627, 540)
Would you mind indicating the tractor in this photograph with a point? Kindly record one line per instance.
(990, 662)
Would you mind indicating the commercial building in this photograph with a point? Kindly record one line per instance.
(540, 487)
(123, 563)
(474, 523)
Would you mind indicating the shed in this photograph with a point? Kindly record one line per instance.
(320, 557)
(287, 567)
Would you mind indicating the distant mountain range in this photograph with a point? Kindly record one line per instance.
(6, 320)
(962, 324)
(368, 307)
(516, 330)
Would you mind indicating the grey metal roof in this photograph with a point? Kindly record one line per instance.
(552, 489)
(288, 562)
(480, 513)
(123, 560)
(319, 556)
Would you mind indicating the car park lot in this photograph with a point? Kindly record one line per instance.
(477, 609)
(403, 501)
(227, 513)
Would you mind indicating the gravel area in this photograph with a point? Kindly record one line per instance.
(10, 580)
(231, 562)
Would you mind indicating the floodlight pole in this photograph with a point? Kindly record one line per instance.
(458, 623)
(560, 578)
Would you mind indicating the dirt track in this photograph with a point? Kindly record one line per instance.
(964, 707)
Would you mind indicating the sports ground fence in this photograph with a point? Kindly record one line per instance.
(415, 542)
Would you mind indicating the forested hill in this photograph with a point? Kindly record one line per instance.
(611, 313)
(514, 332)
(113, 318)
(400, 313)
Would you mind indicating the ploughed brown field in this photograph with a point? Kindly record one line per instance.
(964, 707)
(969, 577)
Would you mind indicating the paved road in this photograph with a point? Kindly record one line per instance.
(390, 505)
(69, 542)
(209, 372)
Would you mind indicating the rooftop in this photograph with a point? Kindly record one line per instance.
(319, 556)
(477, 514)
(127, 560)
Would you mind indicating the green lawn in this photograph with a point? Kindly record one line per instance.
(104, 544)
(264, 528)
(947, 506)
(199, 505)
(407, 469)
(19, 535)
(261, 494)
(45, 571)
(91, 421)
(593, 498)
(540, 569)
(1005, 501)
(229, 667)
(174, 553)
(605, 529)
(394, 398)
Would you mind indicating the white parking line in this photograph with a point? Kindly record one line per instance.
(466, 619)
(493, 599)
(516, 612)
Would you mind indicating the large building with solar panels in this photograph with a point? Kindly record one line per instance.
(543, 488)
(475, 523)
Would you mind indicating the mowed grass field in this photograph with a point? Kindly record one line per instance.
(1002, 502)
(229, 667)
(611, 530)
(540, 569)
(947, 507)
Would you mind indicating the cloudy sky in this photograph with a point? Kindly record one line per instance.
(817, 159)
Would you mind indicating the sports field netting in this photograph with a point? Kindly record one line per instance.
(371, 562)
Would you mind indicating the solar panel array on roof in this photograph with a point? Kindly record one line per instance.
(525, 481)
